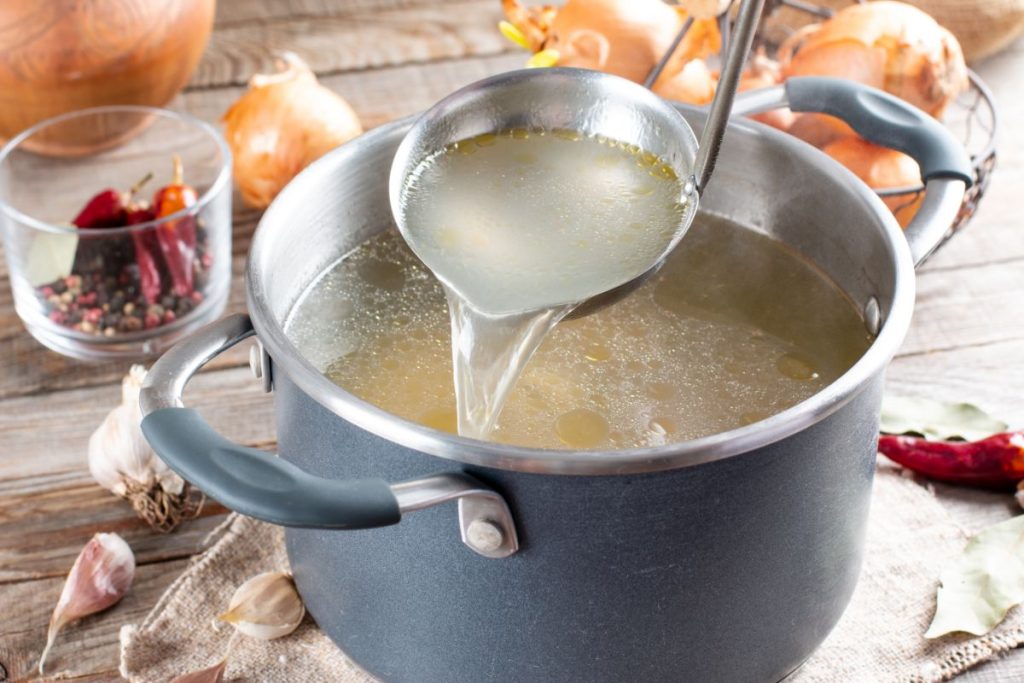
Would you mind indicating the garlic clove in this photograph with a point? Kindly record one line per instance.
(100, 577)
(212, 674)
(266, 607)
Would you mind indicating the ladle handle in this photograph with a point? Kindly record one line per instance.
(725, 92)
(261, 485)
(888, 121)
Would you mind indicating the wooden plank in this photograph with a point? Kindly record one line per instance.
(990, 376)
(89, 648)
(377, 95)
(354, 38)
(51, 436)
(42, 532)
(235, 12)
(965, 307)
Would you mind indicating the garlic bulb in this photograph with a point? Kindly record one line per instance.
(267, 606)
(122, 461)
(888, 45)
(100, 577)
(283, 123)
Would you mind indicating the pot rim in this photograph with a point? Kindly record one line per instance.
(591, 462)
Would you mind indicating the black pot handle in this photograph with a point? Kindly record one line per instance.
(888, 121)
(260, 485)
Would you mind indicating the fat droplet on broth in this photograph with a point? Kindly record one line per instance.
(798, 367)
(582, 428)
(597, 353)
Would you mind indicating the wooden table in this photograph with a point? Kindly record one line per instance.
(390, 58)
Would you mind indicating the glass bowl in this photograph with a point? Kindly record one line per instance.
(116, 292)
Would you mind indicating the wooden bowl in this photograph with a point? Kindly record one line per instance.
(62, 55)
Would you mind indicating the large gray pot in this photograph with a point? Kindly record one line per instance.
(726, 558)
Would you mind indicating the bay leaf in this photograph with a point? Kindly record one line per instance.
(50, 257)
(983, 583)
(936, 420)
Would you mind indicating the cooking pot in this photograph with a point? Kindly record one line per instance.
(724, 558)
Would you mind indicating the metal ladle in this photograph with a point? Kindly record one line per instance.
(593, 103)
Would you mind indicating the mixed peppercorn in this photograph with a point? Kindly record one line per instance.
(124, 283)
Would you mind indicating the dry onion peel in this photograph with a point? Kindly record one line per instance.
(283, 123)
(615, 36)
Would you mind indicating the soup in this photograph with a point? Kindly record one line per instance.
(734, 328)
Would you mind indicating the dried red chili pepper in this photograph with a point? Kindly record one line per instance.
(994, 462)
(177, 238)
(105, 210)
(146, 249)
(109, 208)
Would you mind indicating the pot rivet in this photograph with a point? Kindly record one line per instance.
(872, 316)
(484, 535)
(255, 363)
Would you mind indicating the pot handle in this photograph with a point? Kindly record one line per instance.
(260, 485)
(888, 121)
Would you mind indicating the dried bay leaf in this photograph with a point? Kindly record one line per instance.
(980, 586)
(936, 420)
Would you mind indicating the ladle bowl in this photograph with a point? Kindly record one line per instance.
(589, 102)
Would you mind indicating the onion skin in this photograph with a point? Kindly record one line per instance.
(64, 55)
(693, 84)
(625, 38)
(283, 123)
(880, 168)
(888, 45)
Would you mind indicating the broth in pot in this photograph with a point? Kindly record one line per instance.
(734, 328)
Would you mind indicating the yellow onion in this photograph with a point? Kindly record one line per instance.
(693, 83)
(880, 168)
(622, 37)
(283, 123)
(887, 45)
(763, 72)
(819, 129)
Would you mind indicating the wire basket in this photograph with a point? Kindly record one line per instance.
(971, 117)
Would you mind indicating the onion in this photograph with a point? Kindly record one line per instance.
(283, 123)
(763, 72)
(880, 168)
(887, 45)
(693, 84)
(622, 37)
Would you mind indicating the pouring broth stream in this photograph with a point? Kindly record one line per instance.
(522, 226)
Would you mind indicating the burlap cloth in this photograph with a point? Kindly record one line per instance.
(910, 536)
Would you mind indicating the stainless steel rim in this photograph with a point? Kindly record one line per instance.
(289, 362)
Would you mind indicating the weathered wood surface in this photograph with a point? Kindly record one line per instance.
(391, 58)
